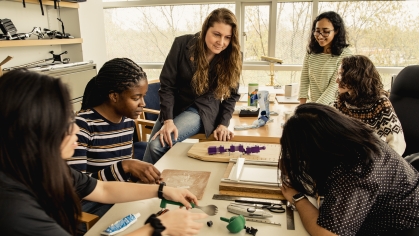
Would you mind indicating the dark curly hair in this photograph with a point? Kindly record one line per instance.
(359, 74)
(318, 138)
(339, 41)
(115, 76)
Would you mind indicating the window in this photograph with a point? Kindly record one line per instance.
(255, 32)
(294, 21)
(385, 31)
(146, 34)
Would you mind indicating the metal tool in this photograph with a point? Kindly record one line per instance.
(248, 199)
(210, 209)
(266, 221)
(238, 168)
(290, 217)
(276, 208)
(251, 211)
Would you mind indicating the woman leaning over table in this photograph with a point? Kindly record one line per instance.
(368, 188)
(199, 85)
(326, 48)
(39, 193)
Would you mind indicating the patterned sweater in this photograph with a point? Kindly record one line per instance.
(381, 117)
(319, 74)
(102, 145)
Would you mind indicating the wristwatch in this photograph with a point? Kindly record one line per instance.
(297, 197)
(160, 192)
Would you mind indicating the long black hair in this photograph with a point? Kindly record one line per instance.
(318, 138)
(115, 76)
(339, 42)
(35, 112)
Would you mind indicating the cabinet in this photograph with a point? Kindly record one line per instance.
(25, 19)
(76, 78)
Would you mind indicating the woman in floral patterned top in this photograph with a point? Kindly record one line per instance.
(361, 96)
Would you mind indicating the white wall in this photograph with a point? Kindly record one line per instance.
(85, 22)
(92, 31)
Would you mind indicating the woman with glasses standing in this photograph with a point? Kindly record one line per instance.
(326, 48)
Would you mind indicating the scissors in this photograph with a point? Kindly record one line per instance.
(276, 208)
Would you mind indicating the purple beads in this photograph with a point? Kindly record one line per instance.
(249, 149)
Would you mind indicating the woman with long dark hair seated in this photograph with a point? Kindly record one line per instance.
(39, 193)
(368, 188)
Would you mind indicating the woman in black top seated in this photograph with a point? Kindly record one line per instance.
(39, 193)
(368, 188)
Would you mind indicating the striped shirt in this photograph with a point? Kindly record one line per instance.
(319, 74)
(102, 145)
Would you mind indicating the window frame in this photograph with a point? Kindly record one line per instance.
(240, 5)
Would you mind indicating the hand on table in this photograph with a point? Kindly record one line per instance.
(165, 132)
(180, 195)
(143, 171)
(181, 222)
(221, 133)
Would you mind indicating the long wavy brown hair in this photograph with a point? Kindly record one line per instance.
(230, 65)
(360, 75)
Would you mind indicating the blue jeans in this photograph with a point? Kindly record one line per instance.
(188, 123)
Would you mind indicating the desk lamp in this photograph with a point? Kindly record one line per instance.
(272, 61)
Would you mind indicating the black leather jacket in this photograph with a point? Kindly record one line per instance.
(177, 94)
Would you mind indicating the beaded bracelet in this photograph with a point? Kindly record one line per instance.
(156, 224)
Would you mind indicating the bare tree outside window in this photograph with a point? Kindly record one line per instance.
(256, 29)
(385, 31)
(145, 34)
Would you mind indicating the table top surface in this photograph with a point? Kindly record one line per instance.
(176, 158)
(271, 132)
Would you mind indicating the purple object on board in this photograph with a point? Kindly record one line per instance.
(212, 150)
(248, 150)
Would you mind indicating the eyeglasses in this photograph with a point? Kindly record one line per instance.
(324, 33)
(70, 125)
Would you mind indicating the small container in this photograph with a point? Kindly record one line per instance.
(252, 99)
(121, 225)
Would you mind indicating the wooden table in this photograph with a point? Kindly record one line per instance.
(176, 158)
(270, 133)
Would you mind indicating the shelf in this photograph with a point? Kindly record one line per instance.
(49, 3)
(38, 42)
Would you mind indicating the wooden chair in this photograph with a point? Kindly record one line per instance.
(151, 112)
(88, 219)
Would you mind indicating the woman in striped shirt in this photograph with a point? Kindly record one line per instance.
(326, 48)
(111, 100)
